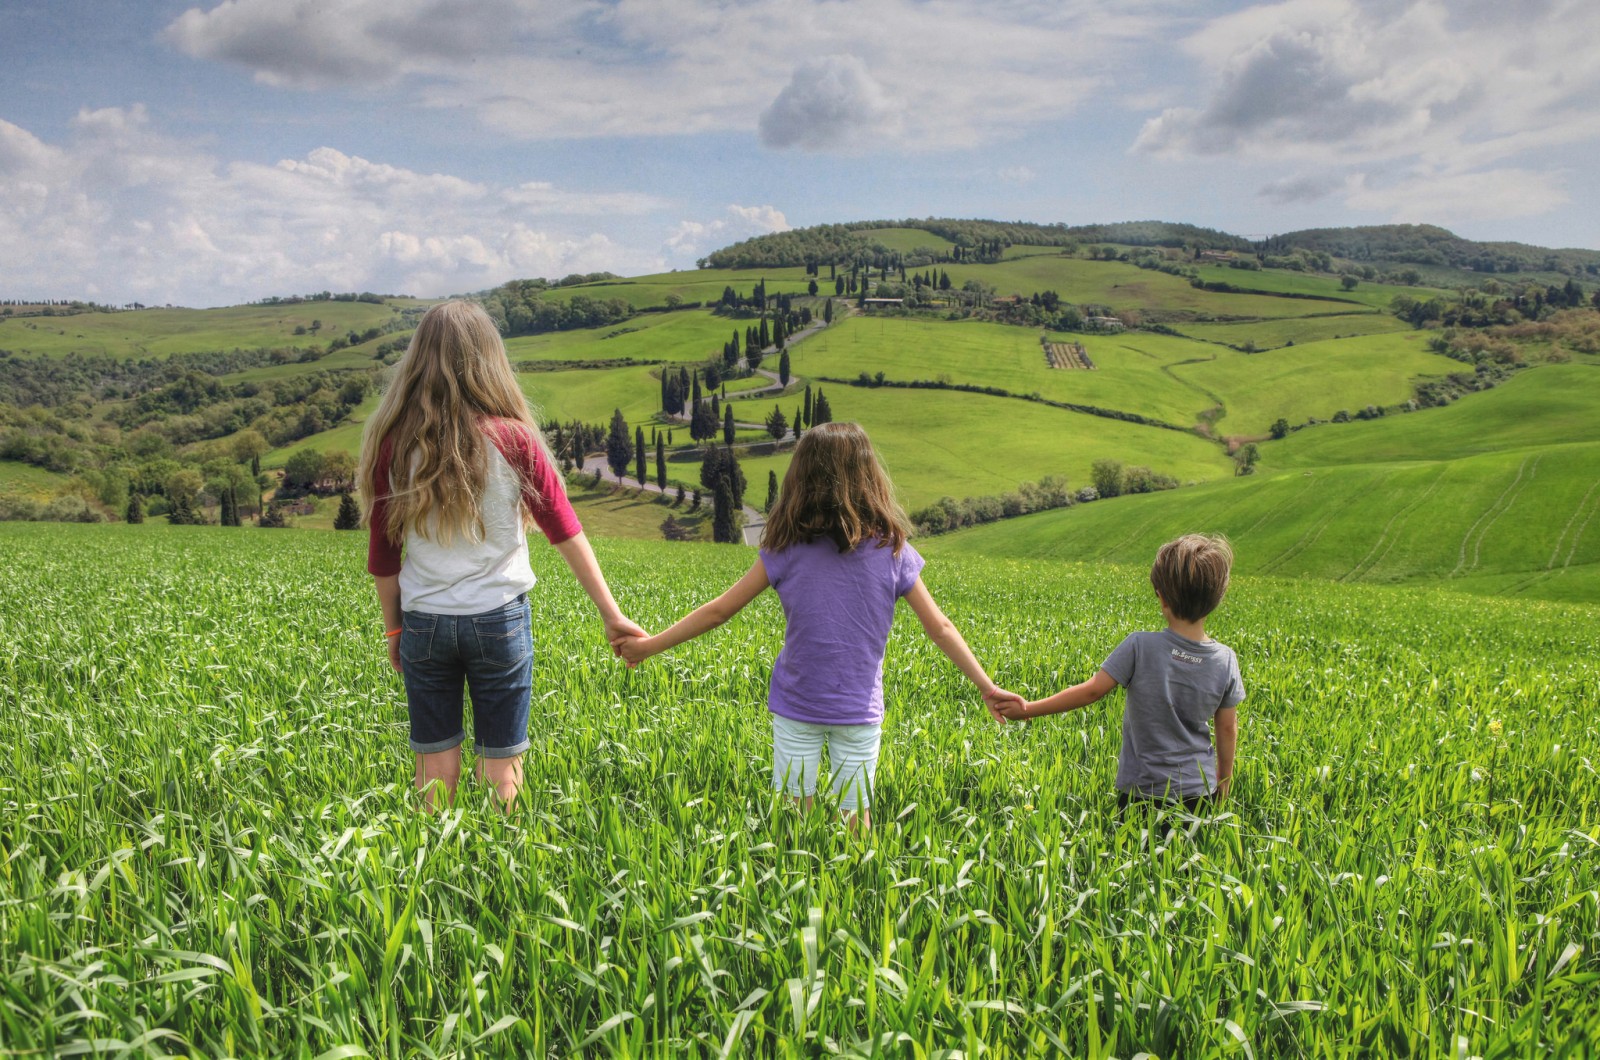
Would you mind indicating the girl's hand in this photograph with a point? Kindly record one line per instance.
(997, 699)
(634, 650)
(621, 628)
(1016, 709)
(394, 654)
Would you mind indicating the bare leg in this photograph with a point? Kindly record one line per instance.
(506, 776)
(437, 777)
(858, 822)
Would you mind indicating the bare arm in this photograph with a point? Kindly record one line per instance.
(1226, 722)
(947, 637)
(580, 559)
(702, 619)
(388, 587)
(1079, 695)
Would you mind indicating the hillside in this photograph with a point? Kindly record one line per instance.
(1013, 355)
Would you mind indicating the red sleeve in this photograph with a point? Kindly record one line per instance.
(383, 555)
(541, 486)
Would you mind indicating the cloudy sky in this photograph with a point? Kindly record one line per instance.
(220, 152)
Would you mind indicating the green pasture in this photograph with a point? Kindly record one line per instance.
(691, 285)
(1130, 373)
(161, 332)
(1270, 334)
(1522, 521)
(688, 335)
(939, 443)
(1315, 284)
(345, 436)
(1539, 406)
(616, 511)
(1122, 286)
(28, 480)
(906, 240)
(1316, 379)
(211, 847)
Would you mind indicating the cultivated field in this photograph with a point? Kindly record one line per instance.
(209, 846)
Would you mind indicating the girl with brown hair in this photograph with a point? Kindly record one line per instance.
(835, 551)
(453, 471)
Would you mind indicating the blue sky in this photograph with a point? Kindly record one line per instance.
(223, 152)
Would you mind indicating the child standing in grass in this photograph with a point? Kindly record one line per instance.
(1180, 683)
(453, 469)
(835, 550)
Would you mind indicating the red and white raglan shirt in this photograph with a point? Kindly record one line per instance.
(469, 577)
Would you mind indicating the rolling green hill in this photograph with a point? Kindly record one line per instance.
(1480, 496)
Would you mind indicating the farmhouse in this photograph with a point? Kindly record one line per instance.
(1104, 323)
(882, 303)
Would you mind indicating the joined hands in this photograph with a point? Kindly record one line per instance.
(1003, 705)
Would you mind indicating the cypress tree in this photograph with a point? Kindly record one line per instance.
(617, 447)
(764, 337)
(722, 528)
(349, 517)
(827, 312)
(783, 369)
(727, 426)
(135, 512)
(638, 454)
(661, 464)
(772, 490)
(666, 402)
(821, 411)
(795, 426)
(807, 408)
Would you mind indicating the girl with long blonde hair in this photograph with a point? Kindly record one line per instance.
(835, 551)
(453, 472)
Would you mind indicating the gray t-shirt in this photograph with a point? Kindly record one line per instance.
(1175, 686)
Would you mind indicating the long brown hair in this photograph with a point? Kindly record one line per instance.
(453, 375)
(836, 488)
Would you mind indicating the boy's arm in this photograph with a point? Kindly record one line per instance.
(703, 618)
(581, 561)
(1226, 722)
(1079, 695)
(947, 637)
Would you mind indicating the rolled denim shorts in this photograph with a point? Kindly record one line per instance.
(491, 655)
(852, 759)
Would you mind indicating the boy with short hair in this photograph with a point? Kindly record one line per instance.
(1179, 683)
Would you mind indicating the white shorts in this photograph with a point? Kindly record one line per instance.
(852, 759)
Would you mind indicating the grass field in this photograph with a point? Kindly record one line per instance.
(1316, 379)
(695, 285)
(1270, 334)
(1375, 295)
(161, 332)
(905, 240)
(210, 847)
(689, 335)
(939, 443)
(29, 481)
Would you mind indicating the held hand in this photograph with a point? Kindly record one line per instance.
(997, 700)
(620, 629)
(634, 650)
(1016, 710)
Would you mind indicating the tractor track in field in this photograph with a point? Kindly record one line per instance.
(1572, 550)
(1368, 563)
(1485, 522)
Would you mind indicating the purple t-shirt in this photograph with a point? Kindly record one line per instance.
(837, 607)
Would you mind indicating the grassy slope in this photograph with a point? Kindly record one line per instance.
(29, 481)
(160, 332)
(906, 240)
(1478, 495)
(1315, 380)
(1269, 334)
(699, 285)
(687, 335)
(937, 443)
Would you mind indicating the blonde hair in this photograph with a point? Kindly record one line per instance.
(454, 374)
(836, 488)
(1191, 574)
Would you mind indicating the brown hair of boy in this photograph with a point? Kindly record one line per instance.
(1191, 574)
(836, 488)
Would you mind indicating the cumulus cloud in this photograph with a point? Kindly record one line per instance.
(692, 238)
(927, 73)
(1298, 189)
(1451, 197)
(120, 208)
(1017, 175)
(1359, 80)
(831, 102)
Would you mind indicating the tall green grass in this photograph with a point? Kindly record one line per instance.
(209, 846)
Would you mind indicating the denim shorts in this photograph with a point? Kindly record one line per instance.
(491, 655)
(852, 759)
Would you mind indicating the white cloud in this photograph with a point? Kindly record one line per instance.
(693, 238)
(1017, 175)
(1489, 195)
(918, 73)
(122, 209)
